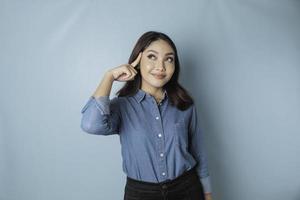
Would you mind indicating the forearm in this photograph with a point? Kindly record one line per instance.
(104, 88)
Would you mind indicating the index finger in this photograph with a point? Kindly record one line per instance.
(137, 60)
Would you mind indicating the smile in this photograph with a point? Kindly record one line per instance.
(158, 76)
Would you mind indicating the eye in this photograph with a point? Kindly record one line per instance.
(170, 59)
(151, 56)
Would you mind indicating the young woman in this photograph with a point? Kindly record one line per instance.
(156, 119)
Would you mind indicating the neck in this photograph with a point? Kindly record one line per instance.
(157, 93)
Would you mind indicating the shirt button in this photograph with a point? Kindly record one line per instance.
(161, 155)
(159, 135)
(163, 173)
(156, 117)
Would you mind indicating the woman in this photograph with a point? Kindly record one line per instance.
(156, 119)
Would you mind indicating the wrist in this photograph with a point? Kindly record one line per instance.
(108, 75)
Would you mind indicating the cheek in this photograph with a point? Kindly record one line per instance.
(144, 69)
(171, 69)
(146, 65)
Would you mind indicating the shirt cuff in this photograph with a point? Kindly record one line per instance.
(206, 183)
(87, 104)
(102, 103)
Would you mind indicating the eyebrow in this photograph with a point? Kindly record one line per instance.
(170, 53)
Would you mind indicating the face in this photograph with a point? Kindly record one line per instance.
(157, 64)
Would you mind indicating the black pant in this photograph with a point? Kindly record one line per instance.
(185, 187)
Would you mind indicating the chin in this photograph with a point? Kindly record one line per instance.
(158, 85)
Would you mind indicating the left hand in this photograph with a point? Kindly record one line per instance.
(208, 196)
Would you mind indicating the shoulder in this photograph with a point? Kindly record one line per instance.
(117, 100)
(189, 110)
(120, 101)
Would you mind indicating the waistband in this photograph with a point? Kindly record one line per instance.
(182, 179)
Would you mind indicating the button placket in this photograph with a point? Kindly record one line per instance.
(160, 140)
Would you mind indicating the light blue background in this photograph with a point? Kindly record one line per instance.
(240, 60)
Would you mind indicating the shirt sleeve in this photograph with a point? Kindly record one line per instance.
(101, 116)
(197, 149)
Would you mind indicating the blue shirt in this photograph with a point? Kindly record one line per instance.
(158, 141)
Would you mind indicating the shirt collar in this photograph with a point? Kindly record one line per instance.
(139, 96)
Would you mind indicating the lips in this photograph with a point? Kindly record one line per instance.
(159, 76)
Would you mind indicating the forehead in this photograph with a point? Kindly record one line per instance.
(160, 46)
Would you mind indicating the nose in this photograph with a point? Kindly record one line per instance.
(160, 65)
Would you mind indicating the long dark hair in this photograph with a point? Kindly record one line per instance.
(178, 96)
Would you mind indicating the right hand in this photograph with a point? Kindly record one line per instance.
(126, 72)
